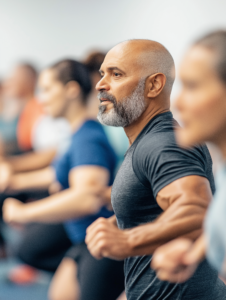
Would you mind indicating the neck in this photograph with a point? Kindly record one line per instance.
(75, 114)
(132, 131)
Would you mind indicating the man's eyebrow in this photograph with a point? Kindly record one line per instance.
(111, 68)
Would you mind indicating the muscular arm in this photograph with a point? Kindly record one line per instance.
(80, 199)
(184, 202)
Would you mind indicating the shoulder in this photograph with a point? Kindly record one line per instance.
(155, 142)
(162, 144)
(90, 132)
(91, 139)
(159, 135)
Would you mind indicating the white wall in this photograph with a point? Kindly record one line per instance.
(46, 30)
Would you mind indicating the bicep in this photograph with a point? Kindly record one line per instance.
(88, 176)
(185, 202)
(188, 190)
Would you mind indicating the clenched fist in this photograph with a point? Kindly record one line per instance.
(105, 239)
(177, 260)
(14, 211)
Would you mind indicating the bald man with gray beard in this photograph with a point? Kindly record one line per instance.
(161, 191)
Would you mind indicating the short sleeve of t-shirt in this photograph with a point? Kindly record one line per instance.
(158, 161)
(89, 151)
(89, 146)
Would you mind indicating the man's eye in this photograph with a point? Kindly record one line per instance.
(116, 74)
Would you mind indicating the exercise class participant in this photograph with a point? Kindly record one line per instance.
(159, 184)
(202, 107)
(83, 172)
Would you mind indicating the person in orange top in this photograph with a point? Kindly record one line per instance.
(28, 118)
(22, 87)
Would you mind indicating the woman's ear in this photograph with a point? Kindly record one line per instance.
(155, 84)
(73, 90)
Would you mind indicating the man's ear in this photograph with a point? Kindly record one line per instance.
(155, 84)
(72, 90)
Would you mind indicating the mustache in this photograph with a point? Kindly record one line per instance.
(105, 95)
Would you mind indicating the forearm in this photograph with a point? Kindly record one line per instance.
(31, 161)
(40, 179)
(181, 222)
(68, 204)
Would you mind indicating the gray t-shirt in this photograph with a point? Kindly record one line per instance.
(152, 162)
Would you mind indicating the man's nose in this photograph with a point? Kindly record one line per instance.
(102, 85)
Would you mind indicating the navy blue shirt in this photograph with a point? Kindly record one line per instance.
(89, 146)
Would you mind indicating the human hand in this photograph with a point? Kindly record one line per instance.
(14, 211)
(105, 239)
(178, 260)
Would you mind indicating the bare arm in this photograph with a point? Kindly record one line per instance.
(184, 202)
(39, 179)
(31, 161)
(14, 178)
(79, 200)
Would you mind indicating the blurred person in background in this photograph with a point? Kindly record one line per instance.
(9, 113)
(19, 91)
(202, 108)
(46, 253)
(21, 87)
(83, 173)
(38, 137)
(161, 191)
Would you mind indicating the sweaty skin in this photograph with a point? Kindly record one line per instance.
(185, 200)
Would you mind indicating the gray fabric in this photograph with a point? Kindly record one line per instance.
(152, 162)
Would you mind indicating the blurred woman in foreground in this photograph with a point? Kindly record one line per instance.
(83, 172)
(202, 108)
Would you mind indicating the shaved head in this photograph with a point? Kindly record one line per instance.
(137, 78)
(152, 57)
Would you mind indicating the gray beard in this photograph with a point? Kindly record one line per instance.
(126, 111)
